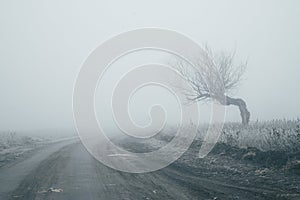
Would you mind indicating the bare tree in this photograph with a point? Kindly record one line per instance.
(214, 76)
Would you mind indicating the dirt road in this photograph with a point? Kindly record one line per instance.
(65, 170)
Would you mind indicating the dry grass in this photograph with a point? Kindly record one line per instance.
(275, 135)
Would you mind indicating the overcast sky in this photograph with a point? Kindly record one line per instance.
(44, 43)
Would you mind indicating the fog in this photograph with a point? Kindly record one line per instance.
(44, 44)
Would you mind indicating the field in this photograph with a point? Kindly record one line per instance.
(13, 146)
(272, 144)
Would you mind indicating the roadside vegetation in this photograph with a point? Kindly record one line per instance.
(14, 145)
(270, 144)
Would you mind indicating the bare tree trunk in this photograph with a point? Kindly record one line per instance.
(245, 114)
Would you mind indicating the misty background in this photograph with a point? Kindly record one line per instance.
(43, 45)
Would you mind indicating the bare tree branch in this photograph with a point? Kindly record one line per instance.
(212, 77)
